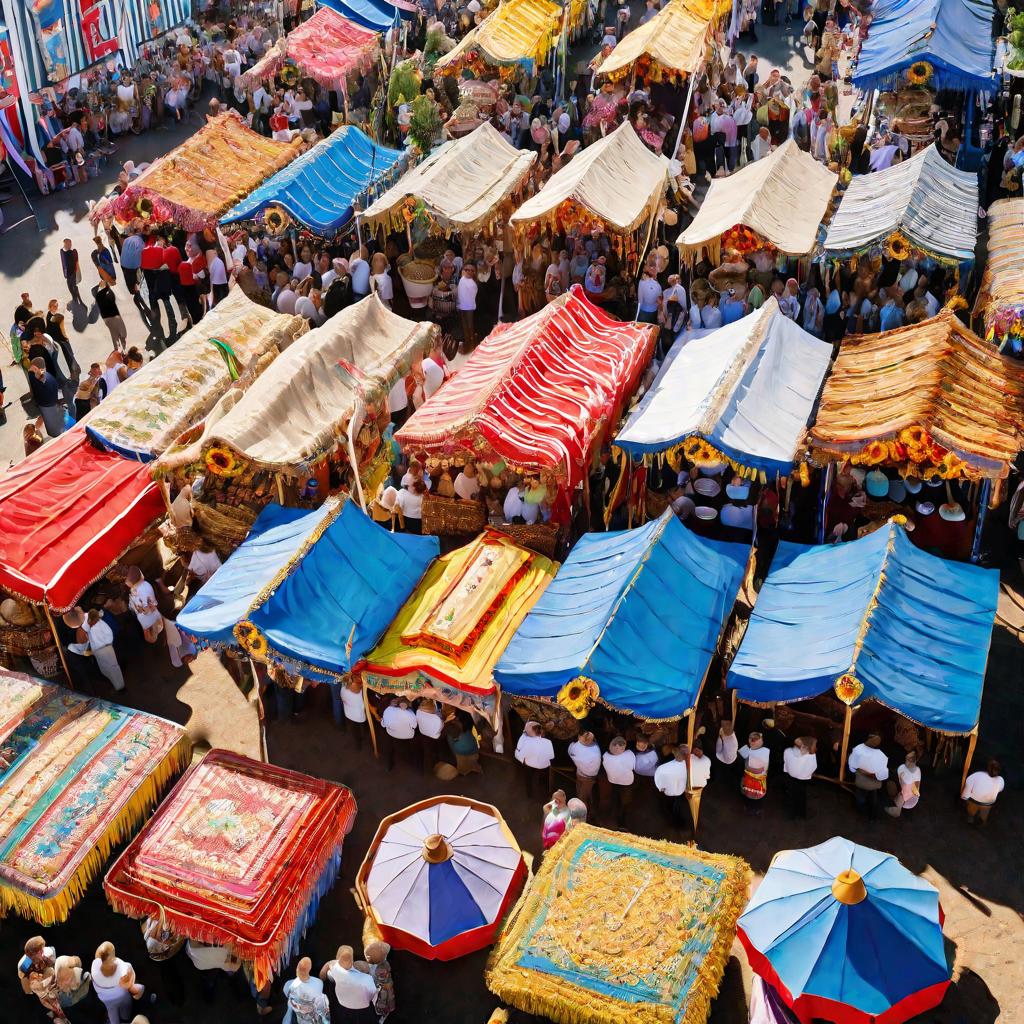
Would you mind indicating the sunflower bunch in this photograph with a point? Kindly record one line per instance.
(698, 452)
(578, 696)
(250, 639)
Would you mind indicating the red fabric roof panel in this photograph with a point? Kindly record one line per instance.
(67, 513)
(537, 393)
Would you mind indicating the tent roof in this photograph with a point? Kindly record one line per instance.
(748, 388)
(327, 48)
(676, 38)
(295, 412)
(536, 392)
(197, 181)
(913, 628)
(954, 36)
(456, 623)
(180, 386)
(462, 183)
(931, 203)
(638, 611)
(1002, 286)
(320, 188)
(378, 15)
(783, 197)
(935, 374)
(67, 513)
(618, 179)
(311, 584)
(515, 32)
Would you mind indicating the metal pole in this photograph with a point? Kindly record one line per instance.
(686, 112)
(369, 719)
(972, 743)
(352, 454)
(983, 500)
(24, 195)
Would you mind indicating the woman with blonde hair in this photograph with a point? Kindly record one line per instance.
(113, 980)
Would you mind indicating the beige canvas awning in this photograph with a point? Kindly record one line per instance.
(675, 39)
(462, 185)
(617, 179)
(296, 412)
(783, 197)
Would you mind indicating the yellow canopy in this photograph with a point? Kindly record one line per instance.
(462, 185)
(517, 32)
(675, 39)
(458, 621)
(783, 197)
(618, 180)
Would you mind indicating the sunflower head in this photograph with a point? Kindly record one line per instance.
(578, 696)
(875, 453)
(250, 639)
(222, 462)
(919, 73)
(898, 248)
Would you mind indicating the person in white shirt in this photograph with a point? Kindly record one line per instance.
(649, 299)
(354, 990)
(410, 504)
(762, 144)
(467, 483)
(348, 709)
(646, 757)
(981, 790)
(204, 562)
(380, 280)
(534, 752)
(585, 754)
(799, 763)
(218, 276)
(789, 301)
(727, 748)
(673, 307)
(304, 265)
(113, 981)
(670, 780)
(754, 784)
(98, 641)
(465, 303)
(429, 725)
(871, 768)
(433, 372)
(908, 777)
(617, 782)
(700, 768)
(286, 296)
(399, 722)
(513, 507)
(305, 995)
(308, 307)
(398, 403)
(359, 270)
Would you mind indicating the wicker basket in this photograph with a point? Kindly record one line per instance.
(443, 517)
(539, 537)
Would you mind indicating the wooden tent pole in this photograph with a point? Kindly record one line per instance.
(846, 743)
(60, 646)
(971, 744)
(280, 488)
(369, 719)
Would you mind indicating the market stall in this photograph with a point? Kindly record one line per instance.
(447, 637)
(631, 621)
(318, 412)
(538, 394)
(948, 42)
(742, 394)
(1000, 301)
(196, 182)
(922, 205)
(872, 620)
(776, 203)
(595, 917)
(79, 775)
(846, 933)
(378, 15)
(230, 347)
(319, 192)
(328, 48)
(516, 38)
(439, 877)
(239, 855)
(616, 182)
(302, 593)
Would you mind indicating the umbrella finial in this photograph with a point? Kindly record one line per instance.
(849, 887)
(436, 849)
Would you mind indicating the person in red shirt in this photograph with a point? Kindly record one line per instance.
(189, 292)
(172, 262)
(151, 262)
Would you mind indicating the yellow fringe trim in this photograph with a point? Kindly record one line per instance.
(55, 909)
(566, 1003)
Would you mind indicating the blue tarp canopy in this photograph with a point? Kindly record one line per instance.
(319, 189)
(747, 388)
(316, 590)
(913, 628)
(378, 15)
(954, 36)
(638, 611)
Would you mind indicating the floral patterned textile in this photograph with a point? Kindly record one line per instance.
(238, 855)
(615, 929)
(76, 775)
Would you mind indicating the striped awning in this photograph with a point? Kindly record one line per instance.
(1002, 287)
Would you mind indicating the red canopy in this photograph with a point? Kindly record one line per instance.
(67, 513)
(538, 392)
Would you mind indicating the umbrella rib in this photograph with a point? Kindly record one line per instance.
(475, 874)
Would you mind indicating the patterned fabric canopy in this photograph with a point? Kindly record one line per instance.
(537, 393)
(76, 776)
(615, 929)
(239, 855)
(1001, 295)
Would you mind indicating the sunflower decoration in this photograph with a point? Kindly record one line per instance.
(873, 454)
(920, 72)
(144, 207)
(957, 303)
(847, 687)
(250, 639)
(898, 248)
(950, 467)
(803, 473)
(699, 453)
(276, 220)
(898, 520)
(222, 462)
(289, 75)
(578, 696)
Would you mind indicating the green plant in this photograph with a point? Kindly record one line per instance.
(403, 87)
(425, 124)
